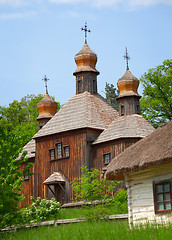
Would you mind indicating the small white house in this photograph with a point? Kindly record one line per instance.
(146, 168)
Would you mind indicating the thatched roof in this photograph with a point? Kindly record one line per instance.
(84, 110)
(129, 126)
(55, 178)
(154, 149)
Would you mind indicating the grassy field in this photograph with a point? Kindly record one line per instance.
(115, 230)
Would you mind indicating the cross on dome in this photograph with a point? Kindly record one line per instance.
(85, 29)
(126, 56)
(45, 79)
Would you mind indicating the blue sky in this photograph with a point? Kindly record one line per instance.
(41, 37)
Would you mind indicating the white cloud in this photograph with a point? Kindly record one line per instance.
(6, 16)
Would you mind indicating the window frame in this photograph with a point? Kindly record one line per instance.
(64, 147)
(52, 149)
(155, 195)
(122, 110)
(104, 155)
(58, 150)
(26, 176)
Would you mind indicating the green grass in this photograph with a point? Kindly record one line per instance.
(80, 212)
(115, 230)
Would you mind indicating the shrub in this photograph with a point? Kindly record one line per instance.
(41, 209)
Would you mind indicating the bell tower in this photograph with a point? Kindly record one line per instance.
(128, 96)
(86, 73)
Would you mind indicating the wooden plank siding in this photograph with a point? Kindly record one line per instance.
(114, 147)
(140, 194)
(69, 167)
(27, 185)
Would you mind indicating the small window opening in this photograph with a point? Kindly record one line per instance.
(67, 151)
(122, 110)
(52, 154)
(94, 86)
(137, 109)
(59, 150)
(26, 176)
(106, 158)
(162, 197)
(79, 86)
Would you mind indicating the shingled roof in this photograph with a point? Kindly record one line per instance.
(129, 126)
(84, 110)
(56, 177)
(154, 149)
(30, 147)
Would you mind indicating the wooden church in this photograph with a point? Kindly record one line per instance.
(87, 130)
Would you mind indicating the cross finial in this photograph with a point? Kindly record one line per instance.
(85, 29)
(45, 79)
(126, 56)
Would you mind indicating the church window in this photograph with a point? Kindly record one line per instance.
(26, 176)
(94, 86)
(122, 110)
(52, 154)
(162, 196)
(106, 158)
(59, 150)
(67, 151)
(79, 86)
(138, 109)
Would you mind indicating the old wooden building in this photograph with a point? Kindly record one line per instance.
(147, 170)
(87, 130)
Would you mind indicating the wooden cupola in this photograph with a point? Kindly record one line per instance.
(47, 108)
(86, 73)
(128, 96)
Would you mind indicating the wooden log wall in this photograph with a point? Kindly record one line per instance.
(140, 194)
(114, 147)
(27, 185)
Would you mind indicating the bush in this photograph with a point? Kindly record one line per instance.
(39, 210)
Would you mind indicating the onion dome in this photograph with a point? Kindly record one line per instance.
(86, 60)
(128, 85)
(47, 107)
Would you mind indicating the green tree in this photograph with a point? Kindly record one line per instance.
(111, 95)
(11, 177)
(22, 115)
(156, 103)
(91, 187)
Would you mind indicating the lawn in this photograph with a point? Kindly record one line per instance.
(91, 231)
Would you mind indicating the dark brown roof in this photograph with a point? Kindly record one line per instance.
(154, 149)
(84, 110)
(129, 126)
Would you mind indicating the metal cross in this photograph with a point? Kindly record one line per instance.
(45, 79)
(126, 56)
(85, 29)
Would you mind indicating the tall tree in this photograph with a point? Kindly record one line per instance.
(11, 177)
(111, 95)
(156, 103)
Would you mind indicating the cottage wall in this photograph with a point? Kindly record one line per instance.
(140, 194)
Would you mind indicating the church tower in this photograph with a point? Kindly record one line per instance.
(47, 107)
(128, 96)
(86, 73)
